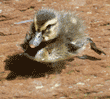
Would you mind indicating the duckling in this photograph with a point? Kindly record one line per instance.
(55, 36)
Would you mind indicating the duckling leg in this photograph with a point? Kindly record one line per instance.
(80, 44)
(94, 47)
(75, 46)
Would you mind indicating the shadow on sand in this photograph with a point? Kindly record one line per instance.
(21, 66)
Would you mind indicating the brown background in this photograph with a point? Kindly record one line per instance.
(20, 78)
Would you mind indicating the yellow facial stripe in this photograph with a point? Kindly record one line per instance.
(35, 22)
(53, 33)
(53, 21)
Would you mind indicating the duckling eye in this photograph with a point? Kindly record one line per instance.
(38, 30)
(49, 26)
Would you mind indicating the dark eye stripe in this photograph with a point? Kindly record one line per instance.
(48, 27)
